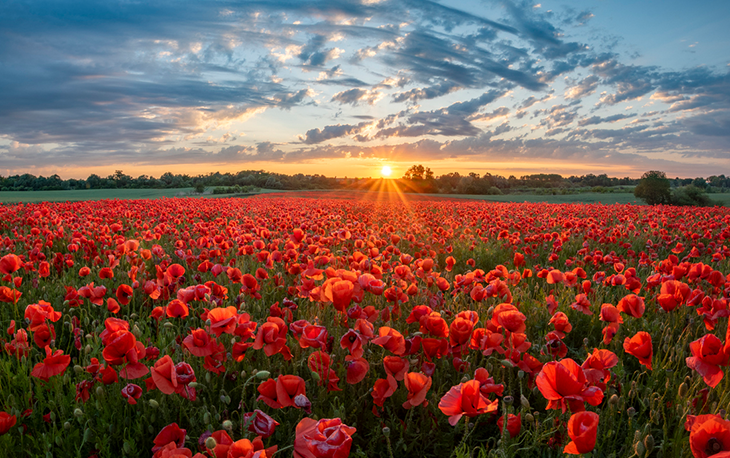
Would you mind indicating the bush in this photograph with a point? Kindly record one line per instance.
(691, 195)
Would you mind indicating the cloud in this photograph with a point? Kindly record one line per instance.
(599, 120)
(329, 132)
(585, 87)
(355, 96)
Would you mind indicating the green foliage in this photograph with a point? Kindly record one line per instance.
(692, 195)
(654, 188)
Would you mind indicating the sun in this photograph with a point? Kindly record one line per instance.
(386, 171)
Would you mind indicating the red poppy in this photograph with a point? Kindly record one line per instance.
(417, 385)
(708, 353)
(582, 428)
(514, 424)
(465, 399)
(289, 387)
(709, 436)
(53, 364)
(177, 309)
(396, 367)
(561, 323)
(10, 263)
(353, 342)
(640, 346)
(391, 340)
(260, 423)
(632, 305)
(357, 369)
(170, 433)
(240, 449)
(272, 338)
(582, 304)
(124, 294)
(200, 344)
(131, 393)
(564, 384)
(326, 438)
(9, 295)
(222, 320)
(383, 389)
(7, 421)
(223, 443)
(596, 366)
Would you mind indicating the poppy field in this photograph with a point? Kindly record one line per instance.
(281, 326)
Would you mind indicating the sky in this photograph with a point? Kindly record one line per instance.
(346, 87)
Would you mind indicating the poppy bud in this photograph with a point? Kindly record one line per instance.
(529, 418)
(78, 369)
(639, 449)
(263, 375)
(195, 385)
(316, 377)
(99, 391)
(613, 401)
(210, 443)
(631, 411)
(386, 431)
(154, 404)
(137, 332)
(66, 425)
(508, 400)
(206, 418)
(649, 443)
(507, 363)
(207, 377)
(228, 425)
(59, 441)
(127, 448)
(525, 403)
(78, 413)
(521, 374)
(168, 324)
(87, 349)
(585, 341)
(464, 379)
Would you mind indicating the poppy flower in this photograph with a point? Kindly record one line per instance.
(272, 338)
(222, 320)
(509, 317)
(326, 438)
(417, 385)
(465, 399)
(173, 378)
(582, 304)
(383, 389)
(124, 294)
(353, 342)
(240, 449)
(396, 367)
(640, 346)
(460, 331)
(260, 423)
(709, 436)
(200, 344)
(289, 387)
(131, 393)
(9, 295)
(357, 369)
(319, 362)
(170, 433)
(268, 394)
(53, 364)
(708, 354)
(563, 383)
(391, 340)
(10, 263)
(514, 424)
(223, 443)
(582, 429)
(596, 366)
(632, 305)
(7, 421)
(561, 323)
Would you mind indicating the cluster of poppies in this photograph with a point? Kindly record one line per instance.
(393, 303)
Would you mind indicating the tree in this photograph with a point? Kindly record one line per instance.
(418, 172)
(654, 188)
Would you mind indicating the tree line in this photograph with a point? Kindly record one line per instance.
(416, 179)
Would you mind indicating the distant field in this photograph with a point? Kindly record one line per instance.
(100, 194)
(127, 194)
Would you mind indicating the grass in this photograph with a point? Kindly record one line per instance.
(128, 194)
